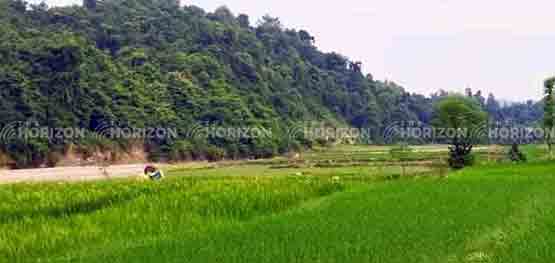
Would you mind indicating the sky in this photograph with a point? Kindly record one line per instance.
(501, 46)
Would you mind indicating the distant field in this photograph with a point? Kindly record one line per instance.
(268, 212)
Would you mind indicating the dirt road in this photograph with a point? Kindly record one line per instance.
(72, 174)
(91, 173)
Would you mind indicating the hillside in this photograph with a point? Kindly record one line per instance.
(153, 64)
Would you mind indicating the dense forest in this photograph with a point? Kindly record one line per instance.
(144, 63)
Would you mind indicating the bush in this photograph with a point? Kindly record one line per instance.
(325, 142)
(4, 160)
(27, 154)
(53, 158)
(515, 155)
(213, 153)
(181, 151)
(264, 148)
(460, 161)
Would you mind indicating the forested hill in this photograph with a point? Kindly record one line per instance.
(144, 63)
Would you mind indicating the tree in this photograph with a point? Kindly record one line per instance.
(153, 64)
(224, 15)
(549, 113)
(468, 92)
(269, 24)
(515, 155)
(306, 37)
(19, 5)
(480, 98)
(465, 120)
(492, 106)
(90, 4)
(244, 21)
(356, 66)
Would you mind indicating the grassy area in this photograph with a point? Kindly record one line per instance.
(257, 213)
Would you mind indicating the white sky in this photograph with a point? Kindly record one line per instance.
(502, 46)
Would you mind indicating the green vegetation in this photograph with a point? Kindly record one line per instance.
(494, 212)
(156, 64)
(549, 112)
(401, 154)
(516, 155)
(468, 120)
(142, 63)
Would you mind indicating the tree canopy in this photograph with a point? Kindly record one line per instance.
(467, 121)
(143, 63)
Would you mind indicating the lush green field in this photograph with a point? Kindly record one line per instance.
(260, 213)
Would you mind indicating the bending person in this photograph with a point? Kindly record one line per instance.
(153, 173)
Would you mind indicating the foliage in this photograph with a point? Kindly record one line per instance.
(516, 155)
(465, 117)
(157, 64)
(549, 112)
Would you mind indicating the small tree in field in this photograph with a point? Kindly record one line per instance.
(549, 113)
(516, 155)
(465, 121)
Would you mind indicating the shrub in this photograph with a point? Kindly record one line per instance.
(180, 151)
(26, 154)
(213, 153)
(515, 155)
(264, 148)
(459, 161)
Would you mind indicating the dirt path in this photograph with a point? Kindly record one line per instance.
(71, 174)
(91, 173)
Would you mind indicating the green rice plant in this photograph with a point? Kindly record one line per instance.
(252, 213)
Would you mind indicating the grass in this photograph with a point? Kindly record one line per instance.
(254, 213)
(39, 221)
